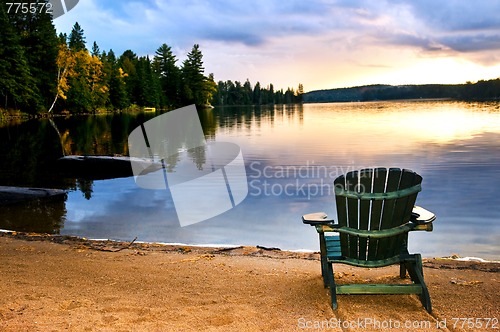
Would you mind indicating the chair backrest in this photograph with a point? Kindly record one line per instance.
(375, 199)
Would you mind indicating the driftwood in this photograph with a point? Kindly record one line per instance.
(103, 167)
(96, 247)
(13, 195)
(268, 248)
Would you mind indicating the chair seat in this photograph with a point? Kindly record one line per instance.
(334, 255)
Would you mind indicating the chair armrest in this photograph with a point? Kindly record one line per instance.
(318, 218)
(374, 234)
(421, 216)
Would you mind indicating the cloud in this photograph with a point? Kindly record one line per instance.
(325, 37)
(463, 26)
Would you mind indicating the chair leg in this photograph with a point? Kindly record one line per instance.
(416, 272)
(402, 270)
(333, 288)
(324, 271)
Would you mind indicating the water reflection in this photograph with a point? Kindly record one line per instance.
(292, 154)
(41, 216)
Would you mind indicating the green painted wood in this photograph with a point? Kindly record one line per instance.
(333, 247)
(379, 178)
(381, 234)
(341, 203)
(403, 207)
(364, 263)
(351, 184)
(365, 184)
(323, 257)
(378, 196)
(383, 247)
(379, 289)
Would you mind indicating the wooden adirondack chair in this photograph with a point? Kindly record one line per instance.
(375, 209)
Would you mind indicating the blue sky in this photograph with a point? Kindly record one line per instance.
(321, 44)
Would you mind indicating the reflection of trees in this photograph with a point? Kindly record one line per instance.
(252, 117)
(86, 187)
(41, 216)
(29, 149)
(208, 123)
(99, 134)
(198, 156)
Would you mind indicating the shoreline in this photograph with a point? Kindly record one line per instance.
(97, 243)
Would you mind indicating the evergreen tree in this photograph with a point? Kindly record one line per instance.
(117, 91)
(128, 61)
(148, 85)
(77, 39)
(257, 97)
(17, 88)
(95, 50)
(193, 79)
(169, 73)
(38, 38)
(247, 93)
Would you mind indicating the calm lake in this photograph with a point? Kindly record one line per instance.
(292, 154)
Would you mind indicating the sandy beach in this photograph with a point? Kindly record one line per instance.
(56, 283)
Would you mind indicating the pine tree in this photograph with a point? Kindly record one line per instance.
(148, 86)
(117, 91)
(169, 73)
(38, 38)
(17, 88)
(193, 78)
(257, 97)
(95, 50)
(77, 39)
(128, 61)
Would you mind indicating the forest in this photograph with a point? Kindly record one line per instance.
(482, 90)
(43, 72)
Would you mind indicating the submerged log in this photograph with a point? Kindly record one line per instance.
(13, 195)
(103, 167)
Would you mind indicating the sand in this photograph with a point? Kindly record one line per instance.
(57, 283)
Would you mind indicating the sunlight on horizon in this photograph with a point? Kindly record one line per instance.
(446, 70)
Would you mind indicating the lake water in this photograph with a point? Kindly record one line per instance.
(292, 155)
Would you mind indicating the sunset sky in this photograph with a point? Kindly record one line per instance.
(321, 44)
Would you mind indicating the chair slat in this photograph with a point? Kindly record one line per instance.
(351, 182)
(393, 178)
(341, 203)
(405, 207)
(365, 183)
(379, 178)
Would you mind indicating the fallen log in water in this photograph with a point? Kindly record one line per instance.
(103, 167)
(12, 195)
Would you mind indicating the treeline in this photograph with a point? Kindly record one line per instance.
(41, 71)
(481, 90)
(229, 93)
